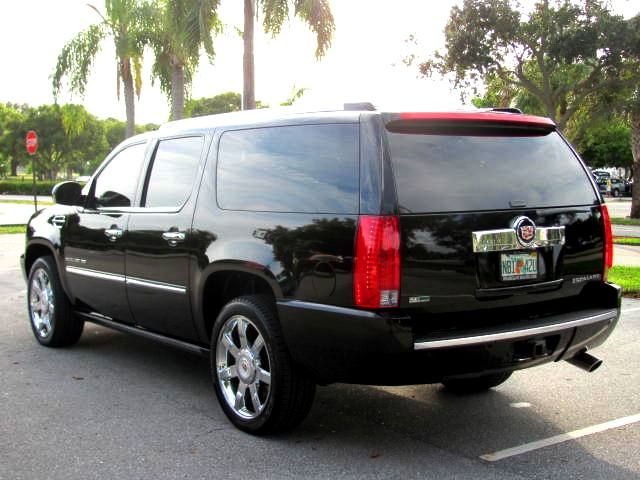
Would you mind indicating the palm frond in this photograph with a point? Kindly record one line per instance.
(317, 14)
(76, 58)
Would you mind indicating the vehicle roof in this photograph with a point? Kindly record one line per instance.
(288, 115)
(258, 117)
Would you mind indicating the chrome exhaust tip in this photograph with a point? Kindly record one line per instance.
(585, 361)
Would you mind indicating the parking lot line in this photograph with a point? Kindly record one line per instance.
(563, 437)
(628, 310)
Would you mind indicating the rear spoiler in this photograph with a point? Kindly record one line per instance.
(480, 122)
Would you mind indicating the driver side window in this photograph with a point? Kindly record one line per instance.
(116, 184)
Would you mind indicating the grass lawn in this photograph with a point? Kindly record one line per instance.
(628, 278)
(626, 240)
(27, 202)
(12, 229)
(625, 221)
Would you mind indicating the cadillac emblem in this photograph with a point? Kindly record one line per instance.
(525, 231)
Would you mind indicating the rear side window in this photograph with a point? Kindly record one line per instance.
(173, 170)
(305, 168)
(451, 173)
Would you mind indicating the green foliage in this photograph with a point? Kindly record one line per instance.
(124, 21)
(7, 229)
(25, 187)
(222, 103)
(70, 140)
(564, 54)
(315, 13)
(627, 277)
(76, 58)
(627, 241)
(178, 30)
(625, 221)
(296, 94)
(13, 130)
(607, 145)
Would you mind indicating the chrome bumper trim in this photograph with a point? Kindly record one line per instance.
(557, 326)
(505, 239)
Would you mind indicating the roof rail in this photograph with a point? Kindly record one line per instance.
(506, 109)
(360, 106)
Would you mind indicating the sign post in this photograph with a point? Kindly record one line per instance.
(32, 147)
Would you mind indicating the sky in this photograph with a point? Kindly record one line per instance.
(364, 62)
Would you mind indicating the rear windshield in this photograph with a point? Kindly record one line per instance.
(451, 173)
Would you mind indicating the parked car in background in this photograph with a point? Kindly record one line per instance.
(604, 186)
(619, 187)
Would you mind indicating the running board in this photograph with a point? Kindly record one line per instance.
(141, 332)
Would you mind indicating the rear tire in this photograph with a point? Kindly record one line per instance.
(616, 192)
(258, 386)
(52, 319)
(481, 383)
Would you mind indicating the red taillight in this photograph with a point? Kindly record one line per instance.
(608, 242)
(376, 277)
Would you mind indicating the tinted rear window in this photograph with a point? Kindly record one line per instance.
(306, 168)
(449, 173)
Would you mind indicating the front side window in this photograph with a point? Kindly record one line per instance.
(117, 182)
(303, 168)
(172, 172)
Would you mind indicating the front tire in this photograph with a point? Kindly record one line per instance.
(478, 384)
(616, 192)
(52, 320)
(258, 386)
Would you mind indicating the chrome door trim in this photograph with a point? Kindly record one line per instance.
(167, 287)
(557, 326)
(87, 272)
(506, 239)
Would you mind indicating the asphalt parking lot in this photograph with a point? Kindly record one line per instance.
(116, 406)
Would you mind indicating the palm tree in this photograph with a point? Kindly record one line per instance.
(180, 28)
(316, 13)
(123, 22)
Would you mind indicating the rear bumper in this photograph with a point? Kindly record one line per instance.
(347, 345)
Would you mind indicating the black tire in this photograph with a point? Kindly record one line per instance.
(64, 328)
(291, 390)
(475, 384)
(616, 192)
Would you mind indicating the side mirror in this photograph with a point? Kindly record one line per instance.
(67, 193)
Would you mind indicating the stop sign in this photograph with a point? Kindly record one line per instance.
(32, 142)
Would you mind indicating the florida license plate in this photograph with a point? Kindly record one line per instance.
(519, 266)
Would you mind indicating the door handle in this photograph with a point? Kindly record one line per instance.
(113, 233)
(173, 237)
(59, 220)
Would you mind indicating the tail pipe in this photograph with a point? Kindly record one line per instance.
(585, 361)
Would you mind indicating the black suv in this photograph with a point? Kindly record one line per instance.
(296, 249)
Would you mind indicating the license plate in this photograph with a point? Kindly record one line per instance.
(519, 266)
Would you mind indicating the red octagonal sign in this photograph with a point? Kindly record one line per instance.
(32, 142)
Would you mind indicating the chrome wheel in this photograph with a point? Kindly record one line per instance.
(243, 367)
(41, 303)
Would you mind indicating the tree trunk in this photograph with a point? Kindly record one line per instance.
(127, 80)
(177, 90)
(14, 167)
(635, 150)
(248, 91)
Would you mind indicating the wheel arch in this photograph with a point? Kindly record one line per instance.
(40, 247)
(223, 281)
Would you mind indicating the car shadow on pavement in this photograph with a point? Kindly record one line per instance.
(405, 424)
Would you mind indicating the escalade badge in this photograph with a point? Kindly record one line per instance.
(525, 231)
